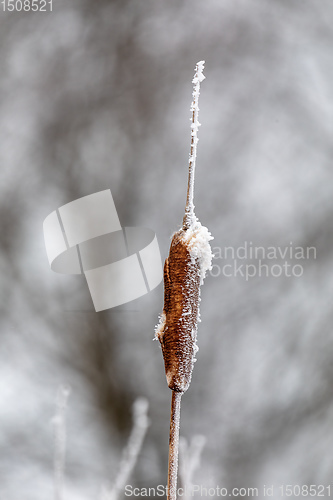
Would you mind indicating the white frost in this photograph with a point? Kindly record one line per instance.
(195, 124)
(197, 238)
(159, 328)
(199, 76)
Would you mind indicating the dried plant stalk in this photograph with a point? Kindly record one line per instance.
(174, 445)
(184, 271)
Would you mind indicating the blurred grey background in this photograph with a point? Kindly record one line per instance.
(96, 95)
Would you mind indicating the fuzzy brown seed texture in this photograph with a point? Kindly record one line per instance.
(181, 307)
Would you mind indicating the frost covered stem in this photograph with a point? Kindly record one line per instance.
(189, 208)
(184, 270)
(174, 445)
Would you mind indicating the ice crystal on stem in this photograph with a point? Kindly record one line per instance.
(189, 217)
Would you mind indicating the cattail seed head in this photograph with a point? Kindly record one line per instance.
(189, 258)
(181, 308)
(184, 271)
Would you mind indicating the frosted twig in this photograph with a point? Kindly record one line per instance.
(60, 437)
(189, 217)
(132, 450)
(173, 445)
(190, 461)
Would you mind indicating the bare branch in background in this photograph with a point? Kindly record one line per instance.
(132, 450)
(60, 439)
(190, 454)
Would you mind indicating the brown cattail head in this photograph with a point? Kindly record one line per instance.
(189, 258)
(181, 308)
(184, 271)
